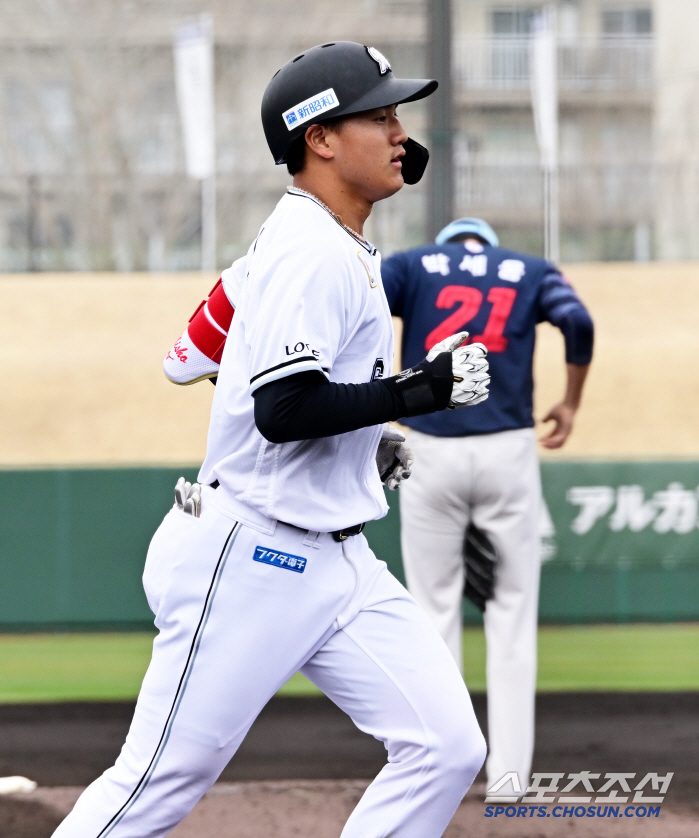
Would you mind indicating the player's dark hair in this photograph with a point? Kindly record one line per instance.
(296, 156)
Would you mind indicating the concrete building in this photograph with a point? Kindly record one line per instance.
(91, 158)
(605, 83)
(676, 132)
(91, 155)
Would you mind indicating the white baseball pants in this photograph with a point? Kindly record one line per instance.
(233, 629)
(494, 481)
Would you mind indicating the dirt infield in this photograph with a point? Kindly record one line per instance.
(84, 383)
(304, 765)
(319, 809)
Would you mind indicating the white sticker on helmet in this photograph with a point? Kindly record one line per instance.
(310, 108)
(381, 60)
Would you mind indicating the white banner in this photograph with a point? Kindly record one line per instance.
(544, 87)
(194, 78)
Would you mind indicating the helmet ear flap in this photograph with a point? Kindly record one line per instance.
(414, 162)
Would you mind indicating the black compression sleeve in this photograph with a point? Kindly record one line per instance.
(308, 406)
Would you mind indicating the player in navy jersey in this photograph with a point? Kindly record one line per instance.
(476, 471)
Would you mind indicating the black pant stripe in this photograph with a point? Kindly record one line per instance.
(184, 678)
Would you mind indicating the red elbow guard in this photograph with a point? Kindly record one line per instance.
(209, 325)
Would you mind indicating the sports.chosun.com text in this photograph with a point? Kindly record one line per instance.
(572, 811)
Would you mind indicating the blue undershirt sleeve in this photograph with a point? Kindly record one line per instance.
(561, 306)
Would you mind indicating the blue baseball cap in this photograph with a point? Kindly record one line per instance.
(468, 225)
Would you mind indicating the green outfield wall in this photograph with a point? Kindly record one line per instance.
(621, 543)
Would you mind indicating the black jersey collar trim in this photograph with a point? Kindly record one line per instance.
(368, 246)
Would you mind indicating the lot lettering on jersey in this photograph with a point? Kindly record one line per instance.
(301, 347)
(278, 559)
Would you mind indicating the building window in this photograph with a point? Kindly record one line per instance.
(623, 22)
(514, 21)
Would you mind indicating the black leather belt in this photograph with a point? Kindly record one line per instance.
(338, 535)
(348, 532)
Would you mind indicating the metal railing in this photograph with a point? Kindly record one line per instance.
(589, 194)
(587, 64)
(151, 223)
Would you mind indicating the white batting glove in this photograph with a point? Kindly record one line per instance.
(469, 367)
(188, 497)
(448, 345)
(393, 458)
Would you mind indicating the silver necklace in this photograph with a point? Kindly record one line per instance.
(337, 217)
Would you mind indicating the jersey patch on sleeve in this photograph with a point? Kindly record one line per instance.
(277, 559)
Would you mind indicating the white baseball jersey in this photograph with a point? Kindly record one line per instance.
(233, 278)
(311, 299)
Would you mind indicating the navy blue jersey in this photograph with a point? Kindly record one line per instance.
(498, 296)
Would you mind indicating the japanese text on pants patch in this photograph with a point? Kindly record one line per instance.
(274, 557)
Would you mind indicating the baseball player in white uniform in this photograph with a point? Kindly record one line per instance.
(262, 570)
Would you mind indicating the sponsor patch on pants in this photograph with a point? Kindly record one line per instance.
(274, 557)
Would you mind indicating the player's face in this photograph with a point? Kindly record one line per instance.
(368, 151)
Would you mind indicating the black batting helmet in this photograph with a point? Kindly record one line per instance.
(335, 80)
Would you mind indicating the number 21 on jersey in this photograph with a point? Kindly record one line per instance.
(469, 301)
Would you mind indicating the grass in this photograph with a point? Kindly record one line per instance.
(72, 667)
(94, 667)
(636, 657)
